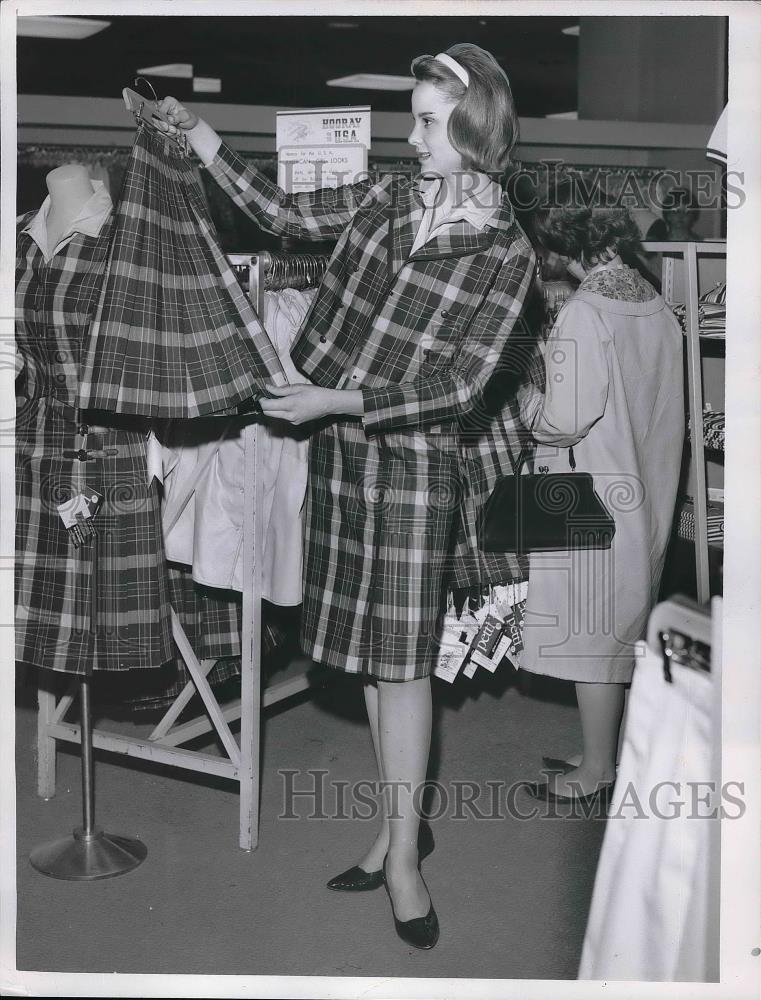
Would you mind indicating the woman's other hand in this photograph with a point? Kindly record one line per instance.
(298, 404)
(178, 115)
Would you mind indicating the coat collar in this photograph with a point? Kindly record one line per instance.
(475, 229)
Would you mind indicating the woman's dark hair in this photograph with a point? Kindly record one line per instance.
(572, 229)
(483, 127)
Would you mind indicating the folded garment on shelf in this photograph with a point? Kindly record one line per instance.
(711, 317)
(713, 429)
(715, 523)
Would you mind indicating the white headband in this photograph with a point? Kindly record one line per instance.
(458, 70)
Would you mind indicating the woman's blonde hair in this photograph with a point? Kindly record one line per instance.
(483, 127)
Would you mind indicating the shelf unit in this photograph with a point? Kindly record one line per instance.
(686, 256)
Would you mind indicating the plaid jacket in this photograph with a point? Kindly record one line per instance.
(420, 335)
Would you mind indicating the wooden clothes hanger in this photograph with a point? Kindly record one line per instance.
(147, 112)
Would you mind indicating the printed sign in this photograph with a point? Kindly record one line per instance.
(306, 168)
(323, 127)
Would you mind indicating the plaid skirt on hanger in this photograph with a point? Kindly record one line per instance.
(174, 335)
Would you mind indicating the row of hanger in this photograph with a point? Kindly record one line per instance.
(292, 270)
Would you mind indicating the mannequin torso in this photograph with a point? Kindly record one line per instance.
(70, 188)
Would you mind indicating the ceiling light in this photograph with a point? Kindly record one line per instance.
(374, 81)
(59, 27)
(207, 85)
(342, 24)
(573, 30)
(571, 116)
(182, 70)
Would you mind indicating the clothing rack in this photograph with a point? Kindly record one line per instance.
(165, 744)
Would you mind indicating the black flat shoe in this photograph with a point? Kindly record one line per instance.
(542, 790)
(420, 932)
(557, 764)
(356, 879)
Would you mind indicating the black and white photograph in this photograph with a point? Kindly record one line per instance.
(375, 376)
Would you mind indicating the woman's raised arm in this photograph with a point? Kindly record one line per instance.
(315, 215)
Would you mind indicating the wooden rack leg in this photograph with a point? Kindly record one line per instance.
(181, 701)
(251, 645)
(204, 690)
(46, 745)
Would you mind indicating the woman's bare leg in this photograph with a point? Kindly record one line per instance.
(404, 725)
(600, 708)
(373, 860)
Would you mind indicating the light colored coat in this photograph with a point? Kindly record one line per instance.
(614, 393)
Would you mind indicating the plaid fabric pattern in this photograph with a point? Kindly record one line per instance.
(54, 581)
(174, 335)
(211, 619)
(379, 519)
(421, 336)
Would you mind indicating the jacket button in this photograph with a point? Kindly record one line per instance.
(445, 313)
(323, 339)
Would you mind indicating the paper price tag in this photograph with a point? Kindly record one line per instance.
(77, 514)
(470, 668)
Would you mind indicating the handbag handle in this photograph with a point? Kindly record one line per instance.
(523, 458)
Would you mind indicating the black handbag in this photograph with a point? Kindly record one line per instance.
(544, 513)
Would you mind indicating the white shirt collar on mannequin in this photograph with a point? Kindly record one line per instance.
(89, 221)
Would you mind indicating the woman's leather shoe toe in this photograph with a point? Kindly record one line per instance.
(420, 932)
(356, 879)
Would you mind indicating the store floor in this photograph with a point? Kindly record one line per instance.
(511, 894)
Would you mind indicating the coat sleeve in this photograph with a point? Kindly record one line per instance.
(577, 379)
(455, 392)
(312, 215)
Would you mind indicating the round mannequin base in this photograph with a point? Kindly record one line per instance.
(85, 857)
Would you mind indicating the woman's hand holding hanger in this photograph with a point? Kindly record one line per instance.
(179, 116)
(203, 139)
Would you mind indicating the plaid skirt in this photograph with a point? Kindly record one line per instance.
(55, 581)
(174, 335)
(378, 539)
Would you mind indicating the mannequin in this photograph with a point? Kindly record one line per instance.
(61, 254)
(70, 189)
(99, 603)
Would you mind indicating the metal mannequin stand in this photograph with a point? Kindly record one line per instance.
(89, 853)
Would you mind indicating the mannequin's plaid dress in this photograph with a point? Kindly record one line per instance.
(54, 303)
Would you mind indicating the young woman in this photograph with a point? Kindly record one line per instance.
(416, 306)
(614, 394)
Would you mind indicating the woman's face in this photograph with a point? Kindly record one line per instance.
(431, 110)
